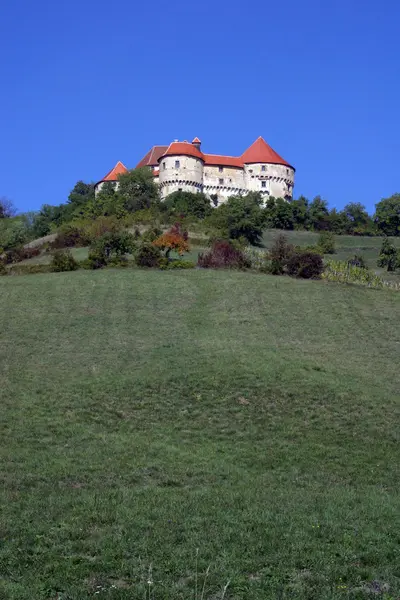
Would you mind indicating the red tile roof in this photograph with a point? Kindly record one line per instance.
(196, 141)
(151, 158)
(183, 149)
(223, 161)
(261, 152)
(119, 169)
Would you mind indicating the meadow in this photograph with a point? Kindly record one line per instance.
(346, 247)
(155, 424)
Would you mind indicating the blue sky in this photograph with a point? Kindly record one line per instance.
(86, 83)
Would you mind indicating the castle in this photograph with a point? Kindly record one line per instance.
(182, 166)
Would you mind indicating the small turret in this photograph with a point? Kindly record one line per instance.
(197, 143)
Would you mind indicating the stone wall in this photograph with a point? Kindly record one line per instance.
(180, 173)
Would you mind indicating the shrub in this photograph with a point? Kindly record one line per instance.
(223, 255)
(148, 255)
(357, 261)
(307, 265)
(176, 264)
(343, 272)
(16, 255)
(174, 239)
(100, 226)
(62, 260)
(110, 246)
(326, 242)
(3, 270)
(97, 258)
(389, 256)
(71, 236)
(258, 259)
(152, 234)
(280, 253)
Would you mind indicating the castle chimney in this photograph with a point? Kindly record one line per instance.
(197, 143)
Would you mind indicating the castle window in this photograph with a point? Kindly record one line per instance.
(179, 189)
(263, 168)
(221, 182)
(221, 169)
(177, 164)
(163, 166)
(287, 171)
(264, 184)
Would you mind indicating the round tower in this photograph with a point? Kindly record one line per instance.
(181, 169)
(267, 172)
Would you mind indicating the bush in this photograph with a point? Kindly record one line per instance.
(326, 242)
(307, 265)
(97, 258)
(280, 253)
(18, 254)
(176, 264)
(148, 255)
(343, 272)
(110, 246)
(258, 259)
(3, 270)
(357, 261)
(100, 226)
(223, 255)
(62, 260)
(152, 234)
(389, 256)
(71, 236)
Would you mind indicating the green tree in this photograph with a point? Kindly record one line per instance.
(300, 209)
(387, 215)
(319, 214)
(240, 216)
(357, 217)
(108, 202)
(138, 189)
(389, 256)
(278, 213)
(7, 208)
(188, 204)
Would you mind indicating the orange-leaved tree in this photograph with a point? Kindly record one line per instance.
(174, 239)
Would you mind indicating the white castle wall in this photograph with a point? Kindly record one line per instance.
(188, 176)
(278, 179)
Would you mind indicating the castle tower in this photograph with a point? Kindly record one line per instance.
(267, 172)
(181, 168)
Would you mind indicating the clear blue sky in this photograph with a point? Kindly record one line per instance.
(86, 83)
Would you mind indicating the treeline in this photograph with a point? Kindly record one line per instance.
(138, 197)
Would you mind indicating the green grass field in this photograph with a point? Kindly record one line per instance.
(346, 247)
(147, 414)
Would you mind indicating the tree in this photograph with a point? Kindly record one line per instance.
(300, 209)
(389, 256)
(278, 213)
(7, 208)
(187, 203)
(138, 189)
(387, 215)
(108, 202)
(81, 193)
(174, 239)
(319, 214)
(240, 216)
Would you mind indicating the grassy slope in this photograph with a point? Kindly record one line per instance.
(146, 414)
(346, 247)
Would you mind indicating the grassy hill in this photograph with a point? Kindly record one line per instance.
(148, 414)
(346, 247)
